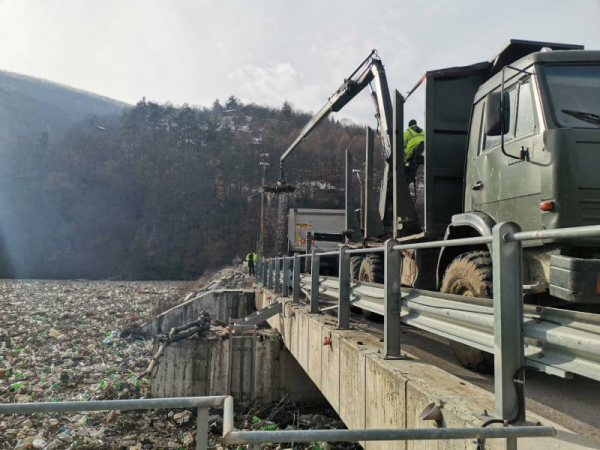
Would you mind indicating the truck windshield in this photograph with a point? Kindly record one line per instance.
(574, 95)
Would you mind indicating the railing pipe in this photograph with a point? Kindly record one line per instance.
(264, 272)
(107, 405)
(270, 275)
(590, 231)
(392, 299)
(357, 251)
(202, 429)
(449, 243)
(286, 277)
(508, 321)
(344, 292)
(277, 275)
(227, 415)
(329, 253)
(296, 280)
(314, 282)
(415, 434)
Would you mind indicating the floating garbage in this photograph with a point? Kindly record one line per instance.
(61, 341)
(52, 349)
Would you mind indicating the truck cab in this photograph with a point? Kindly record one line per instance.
(542, 171)
(551, 144)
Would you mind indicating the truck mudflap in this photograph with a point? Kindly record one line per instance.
(575, 279)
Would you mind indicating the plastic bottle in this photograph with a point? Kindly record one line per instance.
(39, 443)
(65, 437)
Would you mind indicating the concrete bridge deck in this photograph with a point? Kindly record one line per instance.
(368, 391)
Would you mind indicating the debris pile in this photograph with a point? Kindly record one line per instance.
(63, 341)
(227, 278)
(286, 415)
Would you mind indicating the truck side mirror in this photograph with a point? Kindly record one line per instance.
(495, 115)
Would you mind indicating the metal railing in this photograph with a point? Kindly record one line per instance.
(202, 403)
(556, 341)
(255, 438)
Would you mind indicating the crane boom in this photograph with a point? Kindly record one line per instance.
(370, 70)
(396, 208)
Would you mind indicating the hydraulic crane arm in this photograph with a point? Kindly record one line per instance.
(369, 71)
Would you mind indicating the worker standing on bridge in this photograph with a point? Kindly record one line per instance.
(251, 259)
(414, 138)
(414, 148)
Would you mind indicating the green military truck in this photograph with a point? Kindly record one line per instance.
(517, 139)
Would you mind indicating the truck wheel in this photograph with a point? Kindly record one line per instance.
(371, 270)
(470, 274)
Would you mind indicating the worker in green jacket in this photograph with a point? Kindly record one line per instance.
(414, 149)
(251, 259)
(414, 138)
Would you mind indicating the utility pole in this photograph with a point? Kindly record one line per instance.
(264, 165)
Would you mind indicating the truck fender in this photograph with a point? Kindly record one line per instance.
(471, 224)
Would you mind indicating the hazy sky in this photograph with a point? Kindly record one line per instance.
(268, 51)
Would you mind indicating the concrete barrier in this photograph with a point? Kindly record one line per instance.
(222, 305)
(262, 368)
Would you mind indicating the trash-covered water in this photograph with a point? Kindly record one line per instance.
(60, 342)
(64, 341)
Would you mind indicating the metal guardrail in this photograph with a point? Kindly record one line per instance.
(255, 438)
(556, 341)
(202, 403)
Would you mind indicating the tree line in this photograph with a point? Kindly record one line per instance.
(159, 192)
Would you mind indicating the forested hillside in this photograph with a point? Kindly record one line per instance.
(158, 192)
(30, 105)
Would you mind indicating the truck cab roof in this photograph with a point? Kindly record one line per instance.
(539, 57)
(517, 49)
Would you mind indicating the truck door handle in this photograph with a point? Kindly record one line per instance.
(477, 186)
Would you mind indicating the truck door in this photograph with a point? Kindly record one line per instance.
(508, 189)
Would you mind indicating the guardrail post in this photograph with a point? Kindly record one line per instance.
(270, 274)
(264, 272)
(344, 300)
(277, 273)
(296, 280)
(286, 277)
(202, 429)
(507, 260)
(392, 300)
(314, 282)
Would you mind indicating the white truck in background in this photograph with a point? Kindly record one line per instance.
(325, 225)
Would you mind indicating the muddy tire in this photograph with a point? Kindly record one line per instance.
(371, 270)
(470, 274)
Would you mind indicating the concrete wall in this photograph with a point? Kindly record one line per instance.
(368, 391)
(222, 305)
(194, 367)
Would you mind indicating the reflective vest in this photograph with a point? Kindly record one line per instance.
(411, 140)
(251, 256)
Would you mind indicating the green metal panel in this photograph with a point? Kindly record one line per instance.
(449, 98)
